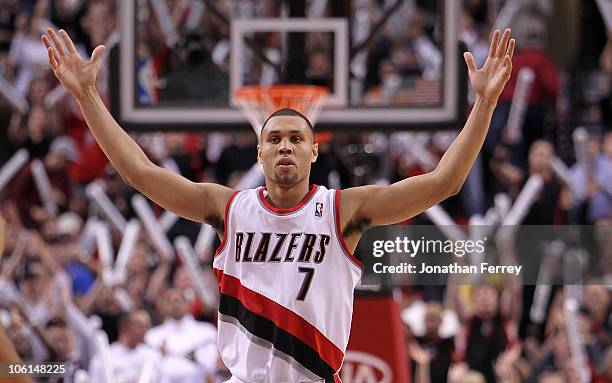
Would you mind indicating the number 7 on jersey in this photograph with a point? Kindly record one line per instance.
(309, 271)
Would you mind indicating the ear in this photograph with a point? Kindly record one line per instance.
(259, 159)
(315, 151)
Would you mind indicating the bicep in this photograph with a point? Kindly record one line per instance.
(200, 202)
(389, 204)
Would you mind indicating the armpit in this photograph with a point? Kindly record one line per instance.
(356, 227)
(216, 222)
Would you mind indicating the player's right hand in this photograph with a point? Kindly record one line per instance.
(75, 73)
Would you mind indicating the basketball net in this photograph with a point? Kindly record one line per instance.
(257, 103)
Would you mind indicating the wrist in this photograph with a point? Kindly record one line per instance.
(480, 100)
(88, 93)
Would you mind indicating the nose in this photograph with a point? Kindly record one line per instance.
(285, 147)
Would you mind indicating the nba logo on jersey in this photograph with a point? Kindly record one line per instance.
(319, 209)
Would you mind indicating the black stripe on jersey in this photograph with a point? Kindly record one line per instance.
(282, 340)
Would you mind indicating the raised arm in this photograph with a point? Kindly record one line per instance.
(195, 201)
(382, 205)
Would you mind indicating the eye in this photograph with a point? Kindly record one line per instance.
(296, 138)
(274, 140)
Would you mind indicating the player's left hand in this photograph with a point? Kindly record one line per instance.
(488, 81)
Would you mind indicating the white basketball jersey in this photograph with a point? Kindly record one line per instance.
(286, 280)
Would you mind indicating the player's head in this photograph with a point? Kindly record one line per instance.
(286, 147)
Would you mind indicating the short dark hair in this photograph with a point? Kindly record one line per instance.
(288, 112)
(56, 322)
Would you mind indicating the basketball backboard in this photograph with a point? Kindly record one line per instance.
(386, 66)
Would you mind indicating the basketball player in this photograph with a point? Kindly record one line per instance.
(285, 266)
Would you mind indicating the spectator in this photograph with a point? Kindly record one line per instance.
(592, 182)
(107, 308)
(553, 200)
(61, 152)
(189, 347)
(35, 136)
(236, 159)
(319, 70)
(542, 97)
(439, 350)
(193, 61)
(428, 55)
(129, 355)
(61, 342)
(26, 52)
(598, 309)
(489, 330)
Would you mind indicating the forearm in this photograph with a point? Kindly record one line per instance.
(125, 155)
(422, 373)
(456, 163)
(13, 261)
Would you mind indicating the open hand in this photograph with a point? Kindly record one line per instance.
(75, 73)
(488, 81)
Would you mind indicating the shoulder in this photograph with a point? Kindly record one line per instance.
(351, 199)
(360, 192)
(154, 333)
(147, 351)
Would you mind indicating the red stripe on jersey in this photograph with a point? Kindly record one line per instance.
(225, 224)
(339, 231)
(282, 317)
(275, 210)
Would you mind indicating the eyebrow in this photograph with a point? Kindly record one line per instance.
(291, 131)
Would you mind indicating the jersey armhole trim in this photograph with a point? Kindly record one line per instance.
(345, 248)
(228, 206)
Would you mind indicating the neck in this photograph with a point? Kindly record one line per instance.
(287, 197)
(431, 335)
(127, 342)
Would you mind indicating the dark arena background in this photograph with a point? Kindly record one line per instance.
(102, 282)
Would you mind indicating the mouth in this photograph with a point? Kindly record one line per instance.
(285, 163)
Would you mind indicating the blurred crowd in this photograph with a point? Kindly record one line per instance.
(54, 300)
